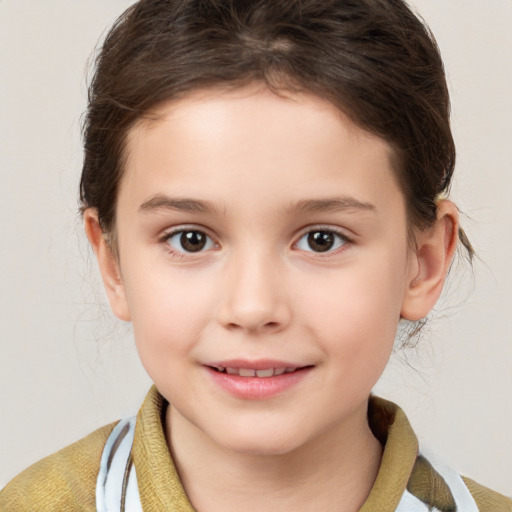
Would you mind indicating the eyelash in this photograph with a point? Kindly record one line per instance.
(337, 238)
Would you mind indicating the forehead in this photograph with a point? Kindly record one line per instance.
(232, 141)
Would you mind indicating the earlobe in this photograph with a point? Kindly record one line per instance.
(435, 249)
(108, 264)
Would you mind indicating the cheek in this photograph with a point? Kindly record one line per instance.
(167, 319)
(169, 310)
(356, 310)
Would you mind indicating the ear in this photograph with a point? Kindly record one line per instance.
(108, 263)
(434, 252)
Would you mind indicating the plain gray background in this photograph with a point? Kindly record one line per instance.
(67, 367)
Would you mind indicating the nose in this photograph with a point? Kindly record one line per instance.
(254, 298)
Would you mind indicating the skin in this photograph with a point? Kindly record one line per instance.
(270, 170)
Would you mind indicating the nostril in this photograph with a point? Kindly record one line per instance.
(253, 316)
(271, 326)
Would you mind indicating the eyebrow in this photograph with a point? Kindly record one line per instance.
(163, 202)
(331, 205)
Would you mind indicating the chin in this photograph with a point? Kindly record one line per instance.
(261, 442)
(262, 448)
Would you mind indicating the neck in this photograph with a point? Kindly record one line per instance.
(333, 472)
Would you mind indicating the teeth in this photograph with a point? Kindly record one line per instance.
(265, 373)
(246, 372)
(249, 372)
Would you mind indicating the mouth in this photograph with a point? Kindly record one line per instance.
(257, 379)
(253, 372)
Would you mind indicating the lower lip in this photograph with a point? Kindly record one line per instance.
(257, 388)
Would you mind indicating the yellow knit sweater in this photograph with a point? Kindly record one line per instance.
(66, 481)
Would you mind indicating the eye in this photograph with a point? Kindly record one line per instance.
(190, 240)
(321, 240)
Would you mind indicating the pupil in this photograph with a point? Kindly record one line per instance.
(320, 241)
(193, 241)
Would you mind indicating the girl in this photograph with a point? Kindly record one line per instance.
(264, 189)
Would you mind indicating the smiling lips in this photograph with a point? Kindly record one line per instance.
(256, 381)
(252, 372)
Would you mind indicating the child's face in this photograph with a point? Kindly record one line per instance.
(259, 232)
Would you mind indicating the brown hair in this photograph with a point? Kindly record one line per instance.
(374, 59)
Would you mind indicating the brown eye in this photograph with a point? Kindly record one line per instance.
(190, 241)
(321, 240)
